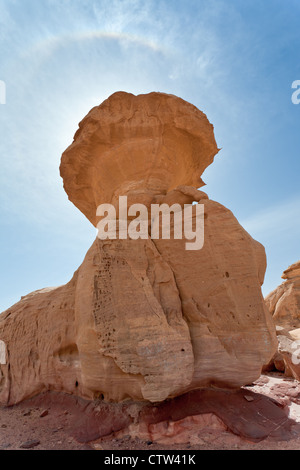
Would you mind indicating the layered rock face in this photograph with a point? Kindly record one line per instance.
(284, 302)
(139, 146)
(284, 306)
(144, 319)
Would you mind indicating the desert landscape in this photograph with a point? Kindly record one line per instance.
(150, 342)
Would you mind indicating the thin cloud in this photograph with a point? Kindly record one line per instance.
(279, 220)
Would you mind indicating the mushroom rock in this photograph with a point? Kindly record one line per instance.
(139, 146)
(143, 319)
(284, 301)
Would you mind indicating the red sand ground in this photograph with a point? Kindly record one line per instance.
(268, 411)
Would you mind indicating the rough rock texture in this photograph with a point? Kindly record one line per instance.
(138, 146)
(287, 356)
(143, 319)
(289, 350)
(284, 306)
(41, 352)
(284, 302)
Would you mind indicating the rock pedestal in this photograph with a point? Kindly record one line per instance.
(143, 319)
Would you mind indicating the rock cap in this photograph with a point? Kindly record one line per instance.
(141, 145)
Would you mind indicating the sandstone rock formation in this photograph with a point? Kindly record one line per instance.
(287, 356)
(139, 146)
(284, 306)
(143, 319)
(284, 301)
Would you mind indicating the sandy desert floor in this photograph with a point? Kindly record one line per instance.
(36, 428)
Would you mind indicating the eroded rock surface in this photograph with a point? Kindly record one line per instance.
(284, 301)
(284, 306)
(139, 146)
(143, 319)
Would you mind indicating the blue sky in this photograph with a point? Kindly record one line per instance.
(234, 59)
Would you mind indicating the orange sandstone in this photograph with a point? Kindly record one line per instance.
(143, 319)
